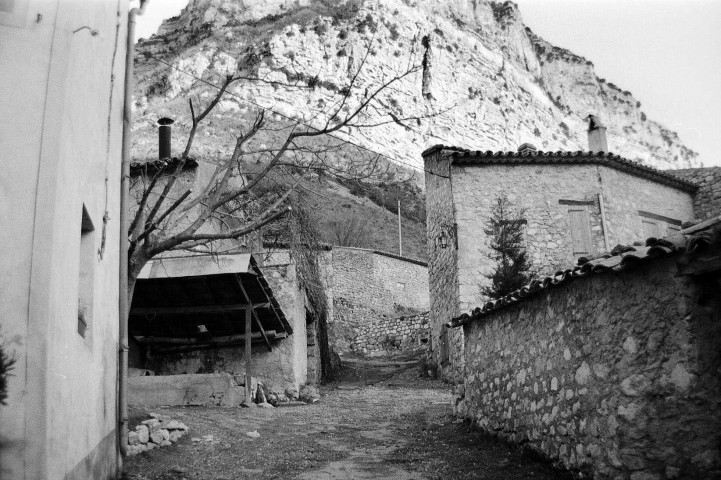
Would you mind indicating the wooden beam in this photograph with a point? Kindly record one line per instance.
(199, 341)
(255, 315)
(189, 310)
(248, 369)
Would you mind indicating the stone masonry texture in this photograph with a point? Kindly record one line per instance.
(707, 201)
(613, 374)
(547, 193)
(442, 271)
(386, 335)
(370, 287)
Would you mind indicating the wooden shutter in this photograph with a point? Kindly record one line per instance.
(671, 229)
(580, 231)
(650, 229)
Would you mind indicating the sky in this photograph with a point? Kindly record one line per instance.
(667, 53)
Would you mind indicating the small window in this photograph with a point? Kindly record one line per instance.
(401, 286)
(671, 229)
(86, 272)
(650, 229)
(580, 231)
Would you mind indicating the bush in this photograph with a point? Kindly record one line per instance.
(7, 363)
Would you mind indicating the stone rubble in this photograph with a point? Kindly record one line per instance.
(157, 431)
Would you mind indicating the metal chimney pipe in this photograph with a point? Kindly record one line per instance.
(164, 134)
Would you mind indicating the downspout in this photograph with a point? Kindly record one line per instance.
(124, 194)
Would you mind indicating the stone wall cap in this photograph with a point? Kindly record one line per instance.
(690, 240)
(462, 156)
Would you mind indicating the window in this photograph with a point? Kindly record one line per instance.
(581, 242)
(650, 229)
(401, 286)
(86, 267)
(658, 226)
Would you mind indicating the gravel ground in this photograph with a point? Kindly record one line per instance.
(379, 421)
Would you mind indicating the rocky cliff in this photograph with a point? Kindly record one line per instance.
(485, 81)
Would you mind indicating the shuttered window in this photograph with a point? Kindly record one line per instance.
(580, 231)
(650, 229)
(671, 229)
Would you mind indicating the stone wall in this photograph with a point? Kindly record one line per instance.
(446, 346)
(547, 193)
(368, 286)
(613, 373)
(388, 335)
(707, 201)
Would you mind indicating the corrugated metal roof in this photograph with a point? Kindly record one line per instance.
(620, 258)
(462, 156)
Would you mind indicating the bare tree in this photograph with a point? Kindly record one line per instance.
(252, 185)
(353, 231)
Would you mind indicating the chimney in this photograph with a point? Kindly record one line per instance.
(596, 135)
(164, 138)
(527, 148)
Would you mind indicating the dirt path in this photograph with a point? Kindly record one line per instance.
(380, 421)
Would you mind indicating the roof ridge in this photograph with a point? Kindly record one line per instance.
(609, 159)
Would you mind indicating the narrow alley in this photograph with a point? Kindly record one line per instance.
(380, 420)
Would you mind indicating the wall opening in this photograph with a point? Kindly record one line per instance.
(86, 264)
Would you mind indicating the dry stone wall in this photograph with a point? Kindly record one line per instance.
(616, 374)
(370, 286)
(707, 201)
(389, 335)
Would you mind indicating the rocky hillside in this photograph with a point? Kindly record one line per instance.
(480, 80)
(493, 83)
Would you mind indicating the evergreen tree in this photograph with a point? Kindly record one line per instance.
(513, 267)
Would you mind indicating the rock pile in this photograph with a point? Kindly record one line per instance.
(158, 431)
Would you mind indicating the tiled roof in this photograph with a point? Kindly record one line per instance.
(150, 167)
(461, 156)
(620, 258)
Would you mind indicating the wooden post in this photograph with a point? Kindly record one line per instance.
(400, 238)
(248, 370)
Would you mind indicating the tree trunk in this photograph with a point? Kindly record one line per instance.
(136, 262)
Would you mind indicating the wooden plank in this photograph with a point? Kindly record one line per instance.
(197, 341)
(189, 310)
(248, 368)
(255, 315)
(654, 216)
(580, 231)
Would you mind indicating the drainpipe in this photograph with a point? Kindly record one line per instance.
(124, 194)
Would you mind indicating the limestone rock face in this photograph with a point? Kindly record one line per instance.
(484, 80)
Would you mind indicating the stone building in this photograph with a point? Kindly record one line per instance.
(610, 367)
(188, 318)
(371, 291)
(62, 73)
(576, 204)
